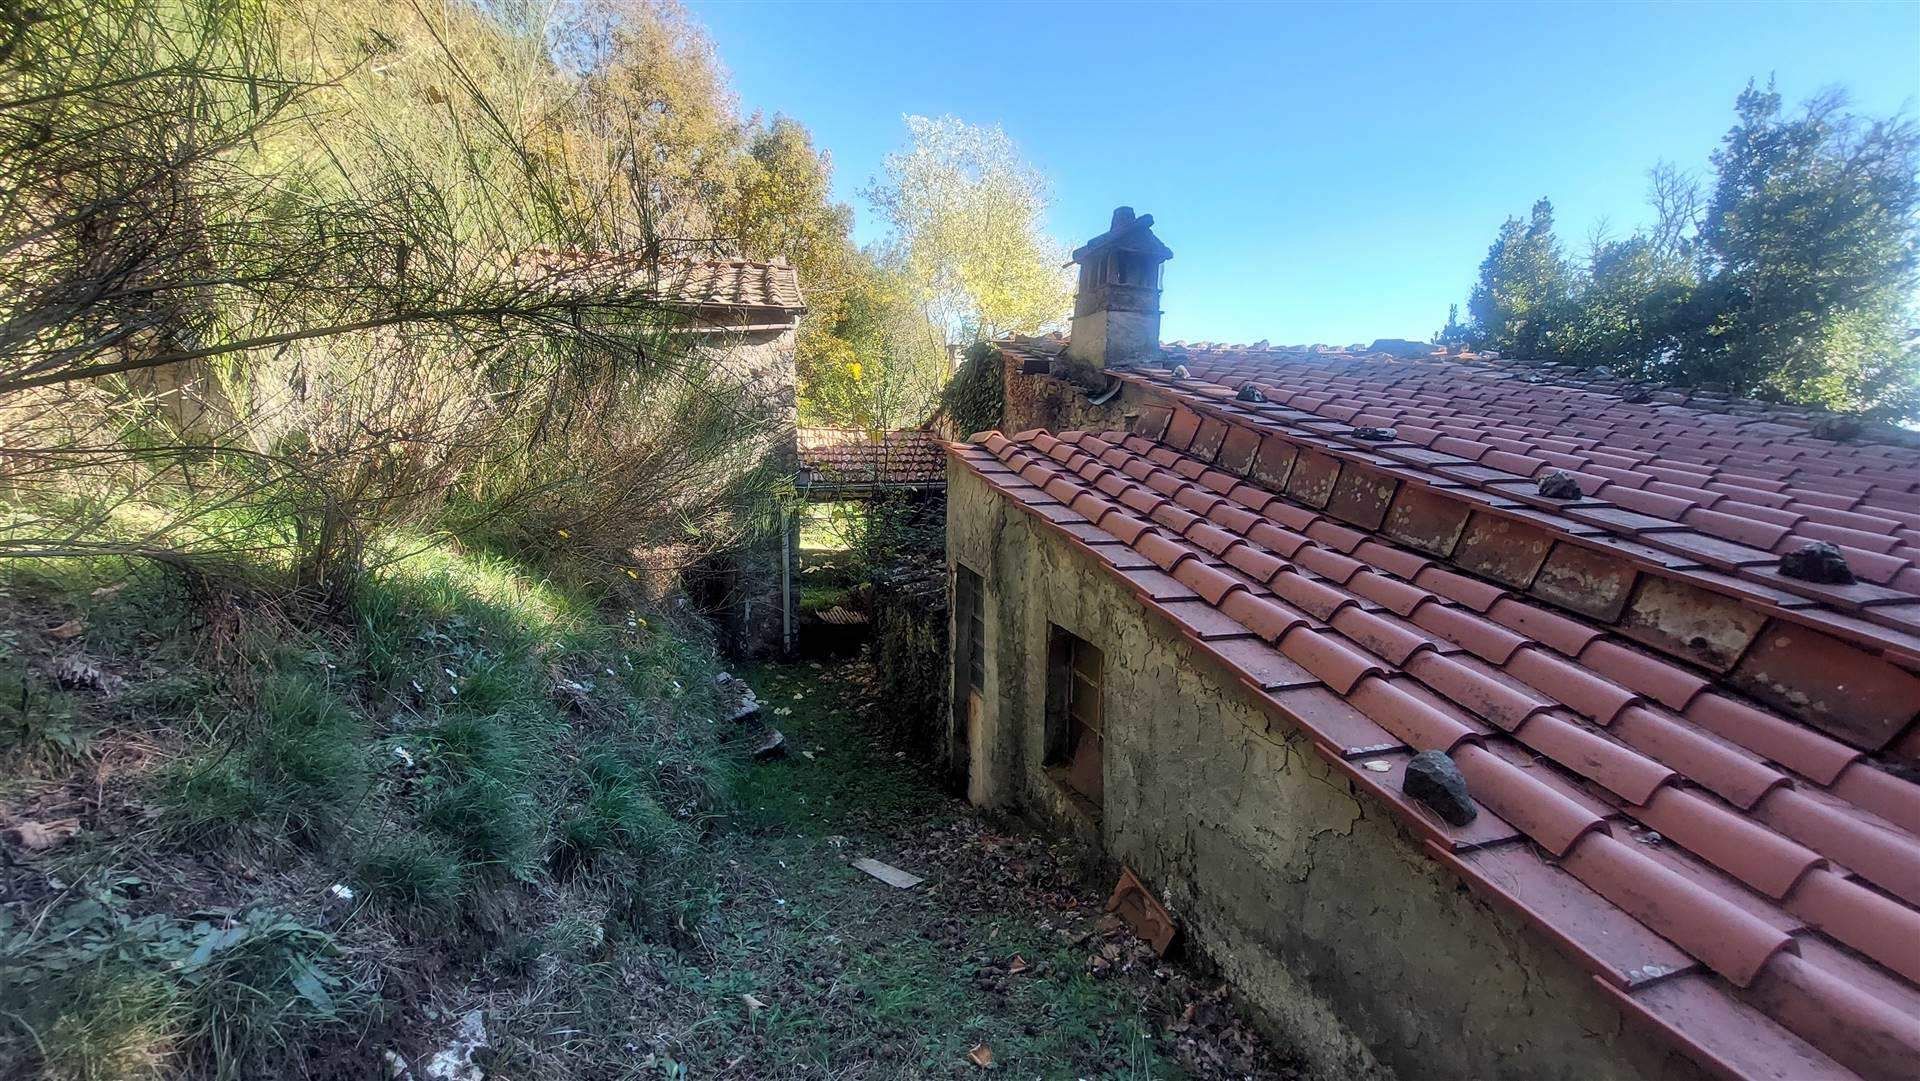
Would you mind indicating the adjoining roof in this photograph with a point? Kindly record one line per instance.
(1682, 758)
(898, 458)
(692, 283)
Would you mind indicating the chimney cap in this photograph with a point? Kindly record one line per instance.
(1130, 232)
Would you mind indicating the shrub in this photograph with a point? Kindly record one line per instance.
(412, 871)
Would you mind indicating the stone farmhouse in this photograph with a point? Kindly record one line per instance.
(1479, 721)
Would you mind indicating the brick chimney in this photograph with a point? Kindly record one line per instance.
(1116, 310)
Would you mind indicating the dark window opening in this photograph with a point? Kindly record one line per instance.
(1076, 678)
(969, 625)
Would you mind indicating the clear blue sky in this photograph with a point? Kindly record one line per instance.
(1322, 173)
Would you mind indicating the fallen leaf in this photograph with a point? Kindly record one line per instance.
(70, 629)
(39, 836)
(754, 1005)
(981, 1056)
(1018, 965)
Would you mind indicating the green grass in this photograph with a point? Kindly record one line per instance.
(423, 754)
(412, 871)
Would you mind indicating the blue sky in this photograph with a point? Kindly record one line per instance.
(1322, 173)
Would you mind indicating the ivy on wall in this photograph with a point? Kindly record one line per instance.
(975, 398)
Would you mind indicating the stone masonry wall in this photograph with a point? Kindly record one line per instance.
(1314, 901)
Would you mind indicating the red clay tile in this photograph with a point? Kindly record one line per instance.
(1263, 616)
(1730, 1038)
(1594, 583)
(1661, 680)
(1498, 548)
(1201, 620)
(1336, 664)
(1856, 697)
(1587, 694)
(1211, 538)
(1722, 935)
(1729, 840)
(1156, 586)
(1870, 922)
(1475, 594)
(1619, 769)
(1361, 496)
(1553, 821)
(1238, 449)
(1314, 476)
(1292, 517)
(1390, 559)
(1208, 439)
(1744, 530)
(1478, 689)
(1181, 429)
(1328, 563)
(1274, 463)
(1873, 1038)
(1712, 551)
(1615, 945)
(1165, 554)
(1689, 622)
(1488, 641)
(1380, 635)
(1422, 726)
(1332, 721)
(1211, 583)
(1317, 599)
(1423, 518)
(1620, 519)
(1735, 775)
(1152, 421)
(1337, 537)
(1261, 665)
(1885, 857)
(1873, 789)
(1396, 596)
(1565, 635)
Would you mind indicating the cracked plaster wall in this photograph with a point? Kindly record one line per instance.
(1326, 915)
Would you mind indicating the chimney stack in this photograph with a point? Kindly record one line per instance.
(1116, 309)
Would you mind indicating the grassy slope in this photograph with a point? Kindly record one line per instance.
(498, 771)
(540, 818)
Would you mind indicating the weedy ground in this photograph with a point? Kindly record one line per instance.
(242, 845)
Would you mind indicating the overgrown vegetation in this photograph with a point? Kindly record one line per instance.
(975, 399)
(298, 812)
(1792, 278)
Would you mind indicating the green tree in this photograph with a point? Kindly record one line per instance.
(1811, 242)
(965, 212)
(1794, 281)
(1523, 279)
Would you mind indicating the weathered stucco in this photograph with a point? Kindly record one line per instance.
(1321, 909)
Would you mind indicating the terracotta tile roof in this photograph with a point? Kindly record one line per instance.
(841, 456)
(698, 283)
(1682, 758)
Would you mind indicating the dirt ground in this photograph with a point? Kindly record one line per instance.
(1001, 956)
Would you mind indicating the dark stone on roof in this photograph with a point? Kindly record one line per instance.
(1401, 347)
(1560, 484)
(1817, 561)
(1377, 435)
(1434, 780)
(1840, 429)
